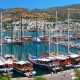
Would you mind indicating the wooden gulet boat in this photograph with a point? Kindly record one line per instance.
(6, 67)
(75, 60)
(52, 63)
(25, 68)
(45, 63)
(22, 67)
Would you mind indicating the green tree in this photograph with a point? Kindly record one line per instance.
(40, 78)
(77, 74)
(5, 77)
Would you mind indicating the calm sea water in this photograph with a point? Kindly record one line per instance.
(21, 51)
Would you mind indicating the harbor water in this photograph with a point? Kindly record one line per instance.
(21, 51)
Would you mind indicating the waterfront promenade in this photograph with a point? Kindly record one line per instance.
(66, 75)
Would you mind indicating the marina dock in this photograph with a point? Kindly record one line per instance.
(65, 75)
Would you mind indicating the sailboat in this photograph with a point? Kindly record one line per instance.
(23, 67)
(7, 39)
(44, 62)
(6, 67)
(75, 58)
(43, 37)
(36, 39)
(54, 62)
(10, 39)
(10, 57)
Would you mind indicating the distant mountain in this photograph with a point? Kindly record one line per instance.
(26, 13)
(38, 10)
(76, 6)
(2, 9)
(62, 11)
(48, 13)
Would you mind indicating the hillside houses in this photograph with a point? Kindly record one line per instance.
(30, 24)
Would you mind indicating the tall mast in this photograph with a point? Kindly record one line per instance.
(11, 36)
(56, 31)
(26, 25)
(68, 30)
(1, 33)
(44, 33)
(36, 38)
(21, 37)
(49, 39)
(21, 29)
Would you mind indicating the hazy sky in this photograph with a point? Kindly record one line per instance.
(31, 4)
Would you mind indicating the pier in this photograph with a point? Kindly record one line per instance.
(65, 75)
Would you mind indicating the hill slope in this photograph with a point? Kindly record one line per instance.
(40, 13)
(26, 13)
(62, 11)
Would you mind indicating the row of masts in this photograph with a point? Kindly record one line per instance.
(57, 33)
(42, 31)
(1, 33)
(57, 43)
